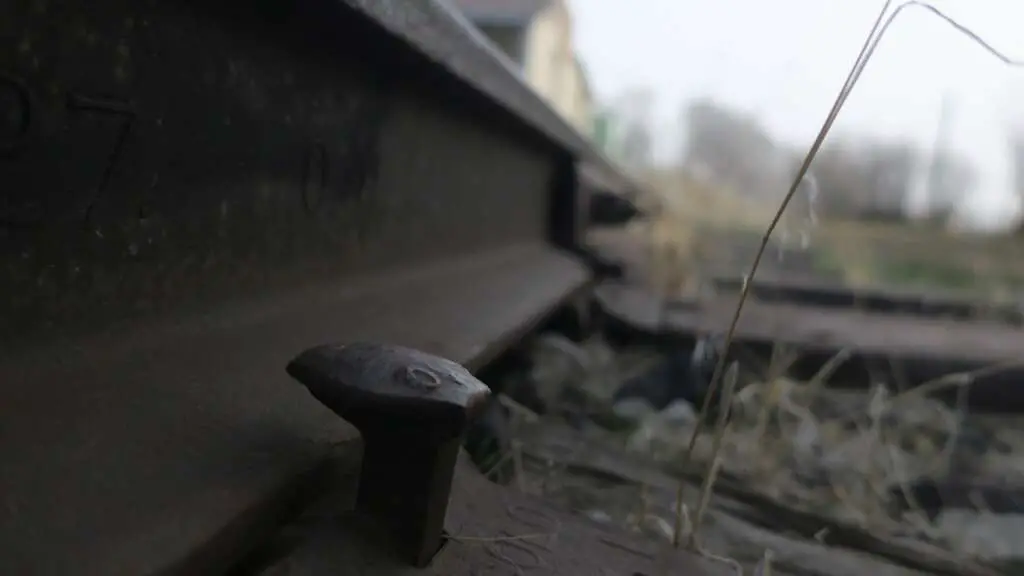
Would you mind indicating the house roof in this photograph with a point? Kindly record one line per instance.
(500, 11)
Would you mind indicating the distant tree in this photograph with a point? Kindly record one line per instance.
(865, 178)
(950, 178)
(839, 179)
(730, 147)
(1017, 148)
(602, 129)
(637, 144)
(889, 169)
(628, 131)
(858, 177)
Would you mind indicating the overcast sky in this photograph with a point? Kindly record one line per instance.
(785, 60)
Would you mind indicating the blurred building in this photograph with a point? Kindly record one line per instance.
(537, 35)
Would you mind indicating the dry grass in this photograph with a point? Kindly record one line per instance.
(803, 444)
(686, 234)
(884, 463)
(792, 439)
(699, 225)
(785, 433)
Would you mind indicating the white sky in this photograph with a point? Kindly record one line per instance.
(785, 60)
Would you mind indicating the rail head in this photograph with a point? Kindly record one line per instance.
(254, 179)
(439, 31)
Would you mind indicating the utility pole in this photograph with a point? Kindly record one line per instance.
(938, 147)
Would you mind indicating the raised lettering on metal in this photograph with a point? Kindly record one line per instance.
(15, 114)
(516, 554)
(116, 109)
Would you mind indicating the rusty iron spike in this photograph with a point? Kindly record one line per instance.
(412, 410)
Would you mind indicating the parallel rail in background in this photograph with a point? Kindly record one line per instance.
(195, 191)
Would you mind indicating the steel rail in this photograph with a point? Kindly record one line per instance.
(190, 193)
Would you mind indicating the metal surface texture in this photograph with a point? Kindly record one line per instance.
(439, 30)
(163, 155)
(412, 410)
(170, 447)
(192, 191)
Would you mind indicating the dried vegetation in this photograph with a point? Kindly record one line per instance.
(827, 464)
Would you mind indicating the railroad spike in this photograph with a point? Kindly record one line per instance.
(412, 409)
